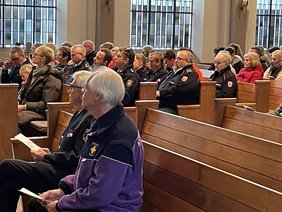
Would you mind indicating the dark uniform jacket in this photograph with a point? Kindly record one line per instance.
(14, 75)
(179, 88)
(154, 76)
(72, 141)
(89, 58)
(83, 65)
(131, 82)
(226, 83)
(42, 87)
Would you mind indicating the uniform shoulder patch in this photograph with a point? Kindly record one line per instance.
(229, 84)
(129, 83)
(184, 78)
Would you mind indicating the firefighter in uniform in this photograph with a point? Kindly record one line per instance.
(181, 86)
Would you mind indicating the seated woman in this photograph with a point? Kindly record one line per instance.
(41, 87)
(275, 69)
(252, 70)
(139, 65)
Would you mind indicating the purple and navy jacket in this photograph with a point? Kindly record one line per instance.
(110, 170)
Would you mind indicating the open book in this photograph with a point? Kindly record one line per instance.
(29, 193)
(27, 141)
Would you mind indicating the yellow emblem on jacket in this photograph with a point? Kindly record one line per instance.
(93, 148)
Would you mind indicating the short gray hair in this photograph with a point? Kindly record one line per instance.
(81, 77)
(108, 84)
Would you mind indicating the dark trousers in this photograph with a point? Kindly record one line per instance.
(15, 174)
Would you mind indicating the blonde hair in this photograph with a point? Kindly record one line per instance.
(46, 52)
(108, 84)
(141, 58)
(27, 68)
(254, 58)
(277, 54)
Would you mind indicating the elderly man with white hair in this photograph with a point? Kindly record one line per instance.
(109, 173)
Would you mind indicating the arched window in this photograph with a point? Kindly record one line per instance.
(23, 21)
(161, 24)
(269, 23)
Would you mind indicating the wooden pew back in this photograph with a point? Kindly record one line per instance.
(203, 110)
(173, 182)
(275, 94)
(253, 123)
(253, 158)
(8, 118)
(255, 95)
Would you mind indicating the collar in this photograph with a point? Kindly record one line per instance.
(107, 120)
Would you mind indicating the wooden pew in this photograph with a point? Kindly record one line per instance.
(59, 115)
(254, 95)
(8, 118)
(253, 123)
(147, 90)
(253, 158)
(64, 95)
(174, 182)
(209, 109)
(57, 119)
(275, 94)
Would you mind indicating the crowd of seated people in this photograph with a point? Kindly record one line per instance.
(150, 65)
(40, 76)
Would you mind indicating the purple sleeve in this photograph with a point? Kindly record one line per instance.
(103, 186)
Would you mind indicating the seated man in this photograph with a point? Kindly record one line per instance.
(181, 86)
(156, 69)
(123, 63)
(109, 173)
(78, 54)
(14, 62)
(226, 82)
(49, 168)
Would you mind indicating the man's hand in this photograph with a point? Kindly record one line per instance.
(38, 154)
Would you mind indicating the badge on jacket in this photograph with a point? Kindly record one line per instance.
(129, 83)
(229, 84)
(93, 148)
(184, 78)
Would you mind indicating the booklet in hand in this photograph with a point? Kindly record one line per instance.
(30, 193)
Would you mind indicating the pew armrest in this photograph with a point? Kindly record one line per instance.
(20, 151)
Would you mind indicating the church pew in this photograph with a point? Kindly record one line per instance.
(255, 95)
(275, 94)
(253, 123)
(174, 182)
(8, 118)
(209, 108)
(255, 159)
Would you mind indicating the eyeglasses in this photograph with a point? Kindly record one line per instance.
(71, 87)
(180, 58)
(36, 54)
(218, 62)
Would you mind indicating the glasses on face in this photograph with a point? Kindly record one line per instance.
(218, 62)
(71, 87)
(36, 54)
(180, 58)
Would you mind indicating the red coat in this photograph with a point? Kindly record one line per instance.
(250, 74)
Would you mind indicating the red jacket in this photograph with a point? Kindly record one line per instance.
(250, 74)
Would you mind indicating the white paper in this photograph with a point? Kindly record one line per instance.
(27, 141)
(29, 193)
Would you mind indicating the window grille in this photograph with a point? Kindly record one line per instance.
(269, 23)
(25, 21)
(163, 24)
